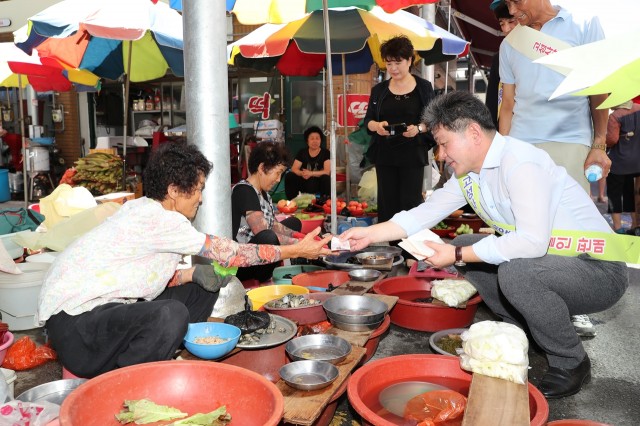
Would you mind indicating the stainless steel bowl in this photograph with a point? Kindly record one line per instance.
(319, 347)
(374, 258)
(364, 274)
(309, 375)
(54, 392)
(355, 309)
(355, 327)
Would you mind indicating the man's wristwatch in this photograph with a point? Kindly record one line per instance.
(459, 261)
(601, 146)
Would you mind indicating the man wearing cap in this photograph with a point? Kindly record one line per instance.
(569, 128)
(554, 254)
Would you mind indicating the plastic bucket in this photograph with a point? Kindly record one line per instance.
(5, 194)
(9, 377)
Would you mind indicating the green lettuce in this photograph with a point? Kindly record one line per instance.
(218, 417)
(144, 411)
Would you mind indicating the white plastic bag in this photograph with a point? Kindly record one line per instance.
(230, 299)
(496, 349)
(368, 186)
(19, 413)
(452, 292)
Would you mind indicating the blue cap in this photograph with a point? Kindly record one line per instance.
(494, 4)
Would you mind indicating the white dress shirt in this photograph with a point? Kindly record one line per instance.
(520, 186)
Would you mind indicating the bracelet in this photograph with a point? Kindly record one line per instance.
(601, 146)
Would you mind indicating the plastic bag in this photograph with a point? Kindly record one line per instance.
(230, 299)
(440, 407)
(496, 349)
(368, 186)
(19, 413)
(24, 354)
(452, 292)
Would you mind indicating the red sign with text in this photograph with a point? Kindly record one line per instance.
(260, 105)
(356, 109)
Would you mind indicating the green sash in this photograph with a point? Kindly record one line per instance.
(600, 245)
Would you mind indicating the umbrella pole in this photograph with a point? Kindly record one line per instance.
(126, 116)
(332, 136)
(25, 180)
(346, 126)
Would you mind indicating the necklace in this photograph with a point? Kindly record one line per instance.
(401, 97)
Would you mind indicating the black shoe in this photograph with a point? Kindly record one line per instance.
(634, 231)
(561, 382)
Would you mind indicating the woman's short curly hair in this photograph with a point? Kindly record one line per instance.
(270, 155)
(313, 129)
(397, 48)
(174, 163)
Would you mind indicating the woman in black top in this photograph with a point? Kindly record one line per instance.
(311, 168)
(399, 154)
(253, 219)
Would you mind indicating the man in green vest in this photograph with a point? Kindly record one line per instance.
(553, 254)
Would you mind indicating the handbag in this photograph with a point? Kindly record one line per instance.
(19, 219)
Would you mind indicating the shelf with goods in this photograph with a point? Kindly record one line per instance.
(163, 109)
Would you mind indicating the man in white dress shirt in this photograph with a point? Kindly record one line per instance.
(554, 255)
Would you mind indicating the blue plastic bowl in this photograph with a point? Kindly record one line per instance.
(211, 329)
(279, 273)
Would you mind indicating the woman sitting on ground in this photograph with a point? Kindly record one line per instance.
(311, 168)
(253, 217)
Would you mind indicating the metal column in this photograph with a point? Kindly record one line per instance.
(206, 76)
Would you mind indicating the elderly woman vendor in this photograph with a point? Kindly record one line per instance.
(114, 297)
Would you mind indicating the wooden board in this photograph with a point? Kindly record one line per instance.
(496, 402)
(304, 407)
(357, 287)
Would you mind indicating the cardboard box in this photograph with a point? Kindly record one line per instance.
(116, 197)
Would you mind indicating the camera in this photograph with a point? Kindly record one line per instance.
(396, 129)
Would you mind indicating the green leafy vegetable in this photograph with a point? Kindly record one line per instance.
(144, 411)
(218, 417)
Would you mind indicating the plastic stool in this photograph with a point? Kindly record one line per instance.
(66, 374)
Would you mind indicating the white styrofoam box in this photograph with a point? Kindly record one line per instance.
(9, 377)
(19, 295)
(268, 129)
(19, 323)
(105, 142)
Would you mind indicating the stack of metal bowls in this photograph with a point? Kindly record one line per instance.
(355, 313)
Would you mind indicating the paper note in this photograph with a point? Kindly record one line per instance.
(338, 245)
(416, 246)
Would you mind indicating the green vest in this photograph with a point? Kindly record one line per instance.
(600, 245)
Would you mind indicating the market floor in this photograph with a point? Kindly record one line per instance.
(611, 397)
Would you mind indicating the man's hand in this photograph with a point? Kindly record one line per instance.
(599, 156)
(206, 277)
(445, 255)
(357, 236)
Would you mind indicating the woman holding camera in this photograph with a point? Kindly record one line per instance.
(400, 141)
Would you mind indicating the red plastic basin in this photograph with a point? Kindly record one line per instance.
(423, 316)
(309, 225)
(576, 422)
(319, 280)
(430, 273)
(191, 386)
(368, 381)
(266, 362)
(374, 339)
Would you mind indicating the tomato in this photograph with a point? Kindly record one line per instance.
(353, 203)
(364, 205)
(282, 203)
(358, 212)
